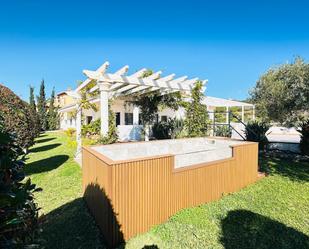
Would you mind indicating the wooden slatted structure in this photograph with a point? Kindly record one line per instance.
(129, 197)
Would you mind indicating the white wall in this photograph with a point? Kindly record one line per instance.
(130, 132)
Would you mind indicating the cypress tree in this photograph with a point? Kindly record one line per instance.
(33, 112)
(31, 99)
(42, 107)
(52, 113)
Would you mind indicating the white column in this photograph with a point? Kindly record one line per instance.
(104, 89)
(253, 113)
(243, 114)
(211, 115)
(227, 115)
(78, 130)
(135, 115)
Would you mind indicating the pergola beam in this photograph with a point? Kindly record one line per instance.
(119, 84)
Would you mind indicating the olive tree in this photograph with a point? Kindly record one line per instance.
(282, 93)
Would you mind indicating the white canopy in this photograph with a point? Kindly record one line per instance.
(218, 102)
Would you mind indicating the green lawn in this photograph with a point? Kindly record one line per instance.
(273, 213)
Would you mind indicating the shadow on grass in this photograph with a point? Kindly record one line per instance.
(150, 247)
(101, 208)
(245, 229)
(45, 140)
(46, 164)
(44, 147)
(296, 171)
(70, 226)
(43, 135)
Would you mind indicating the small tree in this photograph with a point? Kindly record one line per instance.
(282, 93)
(33, 111)
(53, 118)
(42, 107)
(149, 104)
(197, 120)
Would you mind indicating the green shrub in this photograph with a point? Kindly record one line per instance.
(223, 131)
(92, 128)
(17, 118)
(304, 141)
(18, 212)
(161, 130)
(70, 132)
(256, 131)
(172, 128)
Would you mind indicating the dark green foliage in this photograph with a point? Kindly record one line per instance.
(34, 114)
(256, 132)
(161, 130)
(18, 212)
(53, 117)
(42, 112)
(196, 121)
(304, 141)
(17, 118)
(223, 131)
(171, 128)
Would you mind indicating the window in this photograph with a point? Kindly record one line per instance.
(117, 114)
(164, 118)
(88, 119)
(128, 118)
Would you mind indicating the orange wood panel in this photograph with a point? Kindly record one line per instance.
(128, 197)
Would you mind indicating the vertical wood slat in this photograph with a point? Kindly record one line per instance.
(140, 193)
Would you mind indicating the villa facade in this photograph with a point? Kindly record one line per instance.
(127, 115)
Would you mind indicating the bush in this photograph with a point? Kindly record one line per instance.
(70, 132)
(223, 131)
(256, 131)
(19, 213)
(172, 128)
(304, 141)
(161, 130)
(92, 128)
(17, 118)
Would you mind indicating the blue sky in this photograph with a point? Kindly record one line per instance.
(230, 43)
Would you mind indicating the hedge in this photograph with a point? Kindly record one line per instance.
(17, 117)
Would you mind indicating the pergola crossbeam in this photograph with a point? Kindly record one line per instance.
(120, 84)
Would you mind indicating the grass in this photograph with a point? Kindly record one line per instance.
(66, 222)
(273, 213)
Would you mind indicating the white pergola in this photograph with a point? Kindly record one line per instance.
(120, 84)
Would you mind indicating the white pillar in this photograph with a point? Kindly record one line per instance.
(253, 113)
(227, 115)
(211, 115)
(104, 89)
(147, 129)
(243, 114)
(135, 115)
(78, 130)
